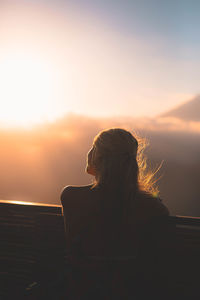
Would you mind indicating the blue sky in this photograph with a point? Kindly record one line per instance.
(174, 22)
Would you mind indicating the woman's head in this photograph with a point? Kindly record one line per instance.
(112, 158)
(116, 161)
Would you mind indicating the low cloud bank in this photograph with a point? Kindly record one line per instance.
(37, 164)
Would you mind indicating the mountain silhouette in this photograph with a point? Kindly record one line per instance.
(188, 111)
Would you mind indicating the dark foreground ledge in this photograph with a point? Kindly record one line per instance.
(32, 248)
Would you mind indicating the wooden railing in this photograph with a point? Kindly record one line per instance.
(31, 244)
(32, 248)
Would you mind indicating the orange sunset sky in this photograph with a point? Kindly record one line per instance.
(99, 58)
(69, 69)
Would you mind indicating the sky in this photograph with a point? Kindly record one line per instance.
(96, 58)
(69, 69)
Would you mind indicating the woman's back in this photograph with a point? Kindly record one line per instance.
(99, 232)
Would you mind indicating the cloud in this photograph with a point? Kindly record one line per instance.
(36, 164)
(171, 124)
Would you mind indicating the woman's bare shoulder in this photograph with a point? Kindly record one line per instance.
(70, 192)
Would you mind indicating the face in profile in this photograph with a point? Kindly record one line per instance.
(89, 168)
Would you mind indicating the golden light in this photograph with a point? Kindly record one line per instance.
(28, 203)
(28, 90)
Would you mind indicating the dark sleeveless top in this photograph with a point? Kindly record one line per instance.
(83, 218)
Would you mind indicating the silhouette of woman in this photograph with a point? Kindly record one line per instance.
(105, 219)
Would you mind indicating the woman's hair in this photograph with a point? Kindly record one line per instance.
(120, 165)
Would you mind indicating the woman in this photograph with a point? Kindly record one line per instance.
(107, 217)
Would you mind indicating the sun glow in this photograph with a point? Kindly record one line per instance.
(28, 90)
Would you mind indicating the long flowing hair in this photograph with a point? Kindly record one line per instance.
(121, 169)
